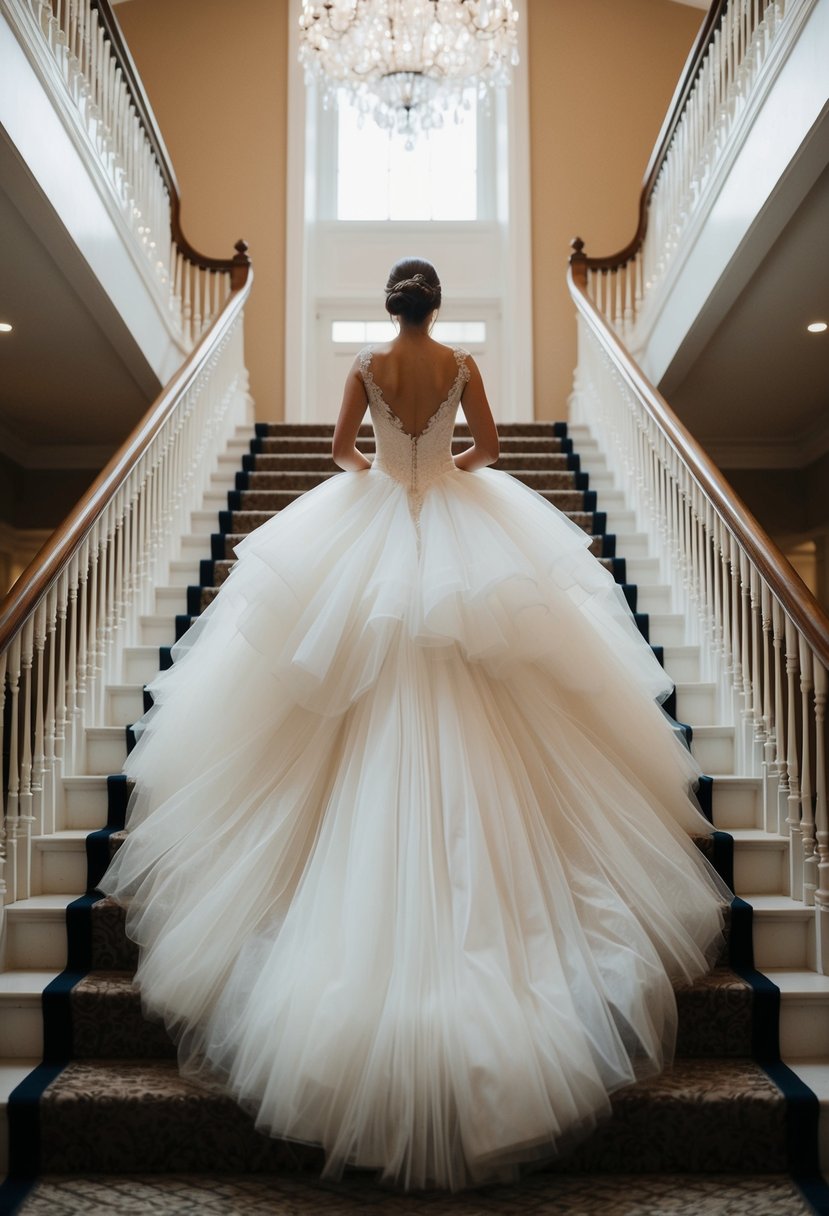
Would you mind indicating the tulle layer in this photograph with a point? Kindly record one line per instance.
(406, 882)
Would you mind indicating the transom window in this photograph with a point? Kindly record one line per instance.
(358, 333)
(379, 178)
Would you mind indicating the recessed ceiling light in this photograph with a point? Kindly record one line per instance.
(5, 328)
(817, 327)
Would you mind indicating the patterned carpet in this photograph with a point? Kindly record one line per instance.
(603, 1195)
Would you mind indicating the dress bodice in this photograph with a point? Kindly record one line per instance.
(415, 460)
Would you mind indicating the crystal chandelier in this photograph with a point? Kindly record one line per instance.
(408, 63)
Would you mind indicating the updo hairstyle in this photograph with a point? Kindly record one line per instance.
(412, 290)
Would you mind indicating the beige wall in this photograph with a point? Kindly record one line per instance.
(602, 73)
(215, 73)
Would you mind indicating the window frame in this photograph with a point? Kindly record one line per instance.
(328, 168)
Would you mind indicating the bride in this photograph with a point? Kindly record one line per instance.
(409, 855)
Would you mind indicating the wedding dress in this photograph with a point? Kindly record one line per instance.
(409, 853)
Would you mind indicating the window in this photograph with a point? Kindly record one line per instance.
(379, 178)
(358, 333)
(358, 200)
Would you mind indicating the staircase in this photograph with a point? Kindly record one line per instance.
(89, 1087)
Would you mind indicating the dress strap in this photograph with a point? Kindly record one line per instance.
(364, 358)
(464, 373)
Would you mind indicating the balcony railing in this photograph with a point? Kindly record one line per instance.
(79, 53)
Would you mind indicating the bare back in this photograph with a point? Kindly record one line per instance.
(415, 378)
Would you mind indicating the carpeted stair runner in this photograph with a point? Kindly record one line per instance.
(108, 1098)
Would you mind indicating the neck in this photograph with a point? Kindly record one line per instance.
(408, 329)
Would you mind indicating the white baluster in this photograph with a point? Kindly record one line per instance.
(13, 795)
(807, 809)
(39, 725)
(792, 762)
(25, 818)
(821, 821)
(3, 821)
(782, 790)
(53, 791)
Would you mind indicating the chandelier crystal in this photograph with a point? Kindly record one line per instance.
(408, 63)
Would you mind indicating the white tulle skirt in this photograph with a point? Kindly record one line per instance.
(409, 853)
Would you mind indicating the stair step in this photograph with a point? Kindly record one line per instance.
(157, 629)
(644, 571)
(804, 1013)
(784, 931)
(141, 662)
(681, 663)
(21, 1011)
(653, 598)
(12, 1072)
(541, 478)
(696, 701)
(172, 600)
(761, 861)
(243, 522)
(268, 431)
(184, 571)
(106, 749)
(737, 802)
(713, 748)
(124, 702)
(667, 628)
(629, 543)
(270, 501)
(683, 1119)
(320, 445)
(305, 1195)
(714, 1018)
(85, 802)
(815, 1073)
(36, 932)
(59, 862)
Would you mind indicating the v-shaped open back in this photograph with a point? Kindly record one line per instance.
(375, 393)
(417, 461)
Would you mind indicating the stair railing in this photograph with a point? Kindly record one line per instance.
(736, 51)
(82, 60)
(68, 618)
(763, 638)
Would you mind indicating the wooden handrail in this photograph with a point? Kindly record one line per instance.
(782, 579)
(66, 540)
(147, 119)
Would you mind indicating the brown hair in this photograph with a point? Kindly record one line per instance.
(412, 290)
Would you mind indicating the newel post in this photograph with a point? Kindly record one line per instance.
(241, 266)
(578, 261)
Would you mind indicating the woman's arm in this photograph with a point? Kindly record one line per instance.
(485, 447)
(352, 412)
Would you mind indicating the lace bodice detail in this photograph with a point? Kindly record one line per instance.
(415, 460)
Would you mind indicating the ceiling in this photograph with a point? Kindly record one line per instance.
(64, 383)
(757, 393)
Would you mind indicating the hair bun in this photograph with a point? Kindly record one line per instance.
(411, 293)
